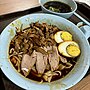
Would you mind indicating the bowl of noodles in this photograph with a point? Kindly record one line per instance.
(43, 51)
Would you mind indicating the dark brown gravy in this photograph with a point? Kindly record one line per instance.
(57, 6)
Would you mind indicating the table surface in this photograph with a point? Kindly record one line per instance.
(10, 6)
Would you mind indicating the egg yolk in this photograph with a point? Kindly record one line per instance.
(66, 36)
(73, 50)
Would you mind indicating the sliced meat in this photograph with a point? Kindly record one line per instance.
(41, 62)
(48, 66)
(28, 62)
(63, 59)
(54, 59)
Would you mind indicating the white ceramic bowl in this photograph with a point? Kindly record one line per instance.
(75, 75)
(71, 3)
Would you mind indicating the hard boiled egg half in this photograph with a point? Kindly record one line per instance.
(69, 49)
(62, 36)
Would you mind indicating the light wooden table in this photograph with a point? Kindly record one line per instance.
(10, 6)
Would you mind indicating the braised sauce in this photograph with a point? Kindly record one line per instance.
(57, 6)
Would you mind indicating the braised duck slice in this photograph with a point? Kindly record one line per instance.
(63, 59)
(41, 62)
(54, 59)
(28, 62)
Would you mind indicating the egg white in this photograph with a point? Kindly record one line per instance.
(62, 47)
(58, 37)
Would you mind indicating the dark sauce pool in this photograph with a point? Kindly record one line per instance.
(57, 6)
